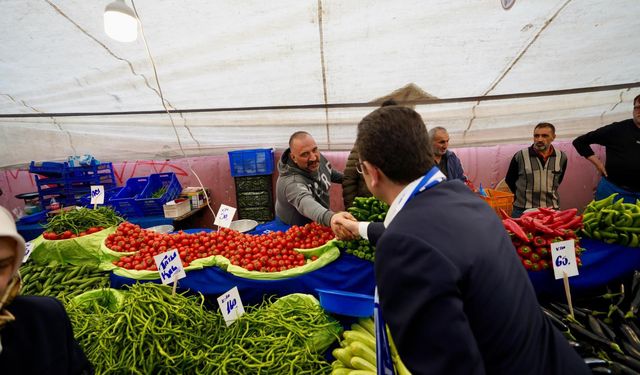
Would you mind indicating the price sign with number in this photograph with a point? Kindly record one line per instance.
(169, 266)
(563, 257)
(225, 216)
(231, 305)
(97, 194)
(28, 247)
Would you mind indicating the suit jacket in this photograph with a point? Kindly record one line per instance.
(456, 296)
(40, 340)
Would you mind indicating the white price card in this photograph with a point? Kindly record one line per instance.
(231, 305)
(225, 216)
(169, 266)
(563, 257)
(97, 194)
(28, 247)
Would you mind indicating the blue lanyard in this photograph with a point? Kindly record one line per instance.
(425, 183)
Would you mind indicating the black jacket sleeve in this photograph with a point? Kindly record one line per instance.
(512, 175)
(374, 232)
(599, 136)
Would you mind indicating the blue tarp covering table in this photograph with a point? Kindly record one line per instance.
(602, 264)
(345, 273)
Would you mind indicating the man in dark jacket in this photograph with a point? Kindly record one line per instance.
(452, 288)
(446, 160)
(621, 173)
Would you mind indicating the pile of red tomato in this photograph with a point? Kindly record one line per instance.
(271, 252)
(69, 234)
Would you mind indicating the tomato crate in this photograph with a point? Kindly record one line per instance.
(499, 199)
(254, 162)
(151, 206)
(124, 201)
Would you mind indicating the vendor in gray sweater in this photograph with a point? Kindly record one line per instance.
(302, 189)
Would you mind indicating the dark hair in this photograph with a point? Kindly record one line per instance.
(297, 134)
(637, 98)
(395, 139)
(546, 125)
(388, 102)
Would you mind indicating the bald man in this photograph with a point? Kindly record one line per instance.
(305, 177)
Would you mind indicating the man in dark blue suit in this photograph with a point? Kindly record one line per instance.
(452, 289)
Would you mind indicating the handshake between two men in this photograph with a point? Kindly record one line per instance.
(345, 226)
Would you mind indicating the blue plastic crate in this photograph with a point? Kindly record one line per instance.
(124, 201)
(33, 218)
(48, 168)
(153, 206)
(254, 162)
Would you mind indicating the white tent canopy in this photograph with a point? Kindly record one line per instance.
(247, 74)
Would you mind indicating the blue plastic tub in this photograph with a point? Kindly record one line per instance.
(33, 218)
(124, 201)
(153, 206)
(254, 162)
(346, 303)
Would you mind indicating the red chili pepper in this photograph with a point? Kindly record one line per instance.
(541, 227)
(539, 241)
(514, 228)
(504, 214)
(527, 224)
(575, 223)
(547, 210)
(566, 215)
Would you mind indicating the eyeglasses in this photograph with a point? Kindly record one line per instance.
(359, 167)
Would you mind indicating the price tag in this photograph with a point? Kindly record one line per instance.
(563, 257)
(225, 216)
(169, 266)
(28, 247)
(231, 305)
(97, 194)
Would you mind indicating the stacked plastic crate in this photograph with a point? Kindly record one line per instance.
(67, 185)
(252, 171)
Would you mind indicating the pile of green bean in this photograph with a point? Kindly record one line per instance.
(81, 219)
(154, 332)
(63, 281)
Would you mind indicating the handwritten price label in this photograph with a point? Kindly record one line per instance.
(97, 194)
(231, 306)
(563, 256)
(28, 247)
(169, 266)
(225, 216)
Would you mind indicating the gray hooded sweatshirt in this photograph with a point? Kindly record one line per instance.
(303, 197)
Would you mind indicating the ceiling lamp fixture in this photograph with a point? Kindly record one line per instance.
(120, 22)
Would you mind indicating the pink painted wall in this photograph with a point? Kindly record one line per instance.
(483, 165)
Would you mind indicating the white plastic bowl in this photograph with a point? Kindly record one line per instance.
(244, 225)
(162, 228)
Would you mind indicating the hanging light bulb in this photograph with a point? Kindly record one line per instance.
(120, 22)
